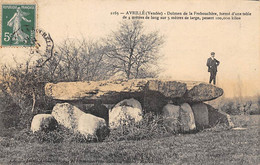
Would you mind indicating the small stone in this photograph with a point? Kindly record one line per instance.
(43, 122)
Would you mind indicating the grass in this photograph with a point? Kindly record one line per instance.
(214, 146)
(238, 105)
(246, 120)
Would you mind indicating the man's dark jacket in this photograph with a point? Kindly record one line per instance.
(212, 64)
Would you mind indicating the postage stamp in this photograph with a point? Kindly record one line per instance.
(18, 24)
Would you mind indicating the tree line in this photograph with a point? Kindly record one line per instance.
(128, 52)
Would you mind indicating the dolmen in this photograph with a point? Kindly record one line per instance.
(92, 106)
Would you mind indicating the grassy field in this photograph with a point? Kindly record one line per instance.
(218, 145)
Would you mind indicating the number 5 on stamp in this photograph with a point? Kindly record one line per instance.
(18, 25)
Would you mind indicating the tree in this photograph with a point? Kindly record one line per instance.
(132, 50)
(78, 60)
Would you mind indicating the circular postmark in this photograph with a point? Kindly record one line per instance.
(43, 46)
(41, 43)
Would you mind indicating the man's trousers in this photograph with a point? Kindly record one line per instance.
(213, 77)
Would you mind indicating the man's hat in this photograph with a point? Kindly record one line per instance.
(212, 53)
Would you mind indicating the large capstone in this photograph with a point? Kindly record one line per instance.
(153, 94)
(113, 91)
(203, 92)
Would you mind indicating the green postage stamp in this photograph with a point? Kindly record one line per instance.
(18, 25)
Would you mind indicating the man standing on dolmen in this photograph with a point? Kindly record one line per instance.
(212, 64)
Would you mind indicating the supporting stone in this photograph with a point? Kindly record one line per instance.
(43, 122)
(76, 120)
(201, 115)
(218, 117)
(67, 115)
(171, 117)
(187, 118)
(125, 112)
(179, 118)
(89, 126)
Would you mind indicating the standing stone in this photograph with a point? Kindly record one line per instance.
(201, 115)
(178, 118)
(171, 115)
(67, 115)
(43, 122)
(218, 117)
(124, 112)
(91, 126)
(187, 120)
(76, 120)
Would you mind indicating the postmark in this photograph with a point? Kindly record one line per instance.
(16, 20)
(44, 46)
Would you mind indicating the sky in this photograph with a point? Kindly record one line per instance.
(188, 43)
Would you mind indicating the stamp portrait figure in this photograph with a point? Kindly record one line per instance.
(212, 65)
(15, 22)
